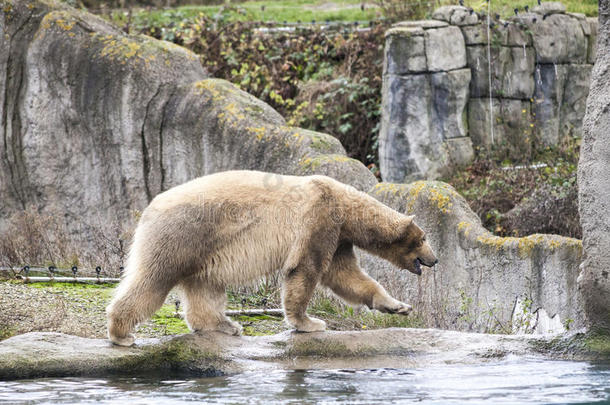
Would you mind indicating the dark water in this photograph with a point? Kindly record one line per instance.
(515, 381)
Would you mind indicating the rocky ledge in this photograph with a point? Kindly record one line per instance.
(49, 354)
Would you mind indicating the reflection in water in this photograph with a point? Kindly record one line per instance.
(515, 381)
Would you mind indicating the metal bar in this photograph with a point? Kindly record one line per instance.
(70, 279)
(270, 311)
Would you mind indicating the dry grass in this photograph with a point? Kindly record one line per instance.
(42, 240)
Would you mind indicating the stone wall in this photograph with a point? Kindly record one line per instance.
(437, 103)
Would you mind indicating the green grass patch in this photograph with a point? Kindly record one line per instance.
(291, 11)
(167, 322)
(506, 7)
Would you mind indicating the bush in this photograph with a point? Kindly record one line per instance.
(323, 80)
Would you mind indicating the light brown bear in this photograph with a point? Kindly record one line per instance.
(236, 227)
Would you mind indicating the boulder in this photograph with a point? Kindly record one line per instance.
(456, 15)
(550, 7)
(594, 185)
(559, 38)
(512, 123)
(592, 40)
(449, 95)
(512, 71)
(445, 49)
(404, 51)
(420, 113)
(479, 276)
(48, 354)
(95, 122)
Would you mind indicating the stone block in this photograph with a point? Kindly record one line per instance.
(550, 7)
(404, 51)
(456, 15)
(405, 127)
(592, 40)
(550, 83)
(558, 38)
(424, 24)
(445, 49)
(512, 71)
(574, 101)
(449, 96)
(511, 120)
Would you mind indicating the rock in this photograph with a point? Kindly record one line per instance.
(594, 186)
(558, 38)
(550, 82)
(419, 113)
(445, 49)
(405, 128)
(592, 40)
(561, 91)
(425, 24)
(45, 354)
(512, 71)
(404, 51)
(511, 119)
(137, 116)
(449, 95)
(550, 7)
(456, 15)
(574, 102)
(479, 276)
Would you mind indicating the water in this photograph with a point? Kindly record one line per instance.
(512, 381)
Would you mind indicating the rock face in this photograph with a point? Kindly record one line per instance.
(95, 123)
(425, 91)
(47, 354)
(594, 185)
(479, 277)
(535, 67)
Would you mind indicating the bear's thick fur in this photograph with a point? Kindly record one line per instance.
(235, 227)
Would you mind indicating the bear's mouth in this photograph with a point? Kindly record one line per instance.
(417, 267)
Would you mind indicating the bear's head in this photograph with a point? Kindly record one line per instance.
(411, 249)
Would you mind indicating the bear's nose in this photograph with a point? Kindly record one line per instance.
(436, 261)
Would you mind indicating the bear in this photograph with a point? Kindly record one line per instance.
(235, 227)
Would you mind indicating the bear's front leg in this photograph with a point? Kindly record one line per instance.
(297, 291)
(384, 303)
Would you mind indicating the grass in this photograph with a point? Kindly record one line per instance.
(506, 7)
(291, 11)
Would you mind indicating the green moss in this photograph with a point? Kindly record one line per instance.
(6, 332)
(598, 343)
(313, 163)
(167, 321)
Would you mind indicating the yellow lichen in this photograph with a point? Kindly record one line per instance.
(259, 132)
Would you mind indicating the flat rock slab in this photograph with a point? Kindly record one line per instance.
(49, 354)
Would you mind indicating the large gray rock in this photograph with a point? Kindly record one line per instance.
(449, 95)
(479, 276)
(594, 185)
(445, 49)
(96, 123)
(558, 38)
(456, 15)
(512, 71)
(592, 40)
(420, 113)
(561, 91)
(404, 51)
(511, 119)
(211, 354)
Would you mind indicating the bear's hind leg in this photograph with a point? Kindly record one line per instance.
(136, 299)
(204, 307)
(298, 289)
